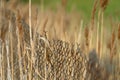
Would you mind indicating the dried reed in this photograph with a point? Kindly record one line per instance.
(19, 34)
(11, 48)
(31, 42)
(55, 59)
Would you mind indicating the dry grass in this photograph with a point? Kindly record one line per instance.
(56, 45)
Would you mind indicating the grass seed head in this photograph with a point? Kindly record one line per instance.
(19, 25)
(119, 32)
(64, 3)
(113, 38)
(93, 12)
(87, 36)
(103, 4)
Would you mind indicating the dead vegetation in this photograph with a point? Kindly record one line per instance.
(56, 46)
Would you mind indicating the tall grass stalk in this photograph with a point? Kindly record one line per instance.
(3, 71)
(31, 41)
(11, 53)
(101, 43)
(11, 49)
(0, 59)
(80, 32)
(0, 42)
(18, 49)
(8, 63)
(97, 37)
(8, 51)
(118, 40)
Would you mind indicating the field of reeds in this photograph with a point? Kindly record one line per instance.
(38, 43)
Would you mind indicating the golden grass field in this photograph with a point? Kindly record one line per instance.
(43, 44)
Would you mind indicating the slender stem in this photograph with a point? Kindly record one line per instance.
(0, 43)
(80, 32)
(31, 42)
(8, 63)
(0, 59)
(19, 53)
(101, 34)
(11, 53)
(3, 62)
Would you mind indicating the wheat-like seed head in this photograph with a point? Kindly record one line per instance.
(19, 25)
(87, 36)
(93, 13)
(64, 3)
(103, 4)
(119, 32)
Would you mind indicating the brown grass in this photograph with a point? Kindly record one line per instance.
(32, 55)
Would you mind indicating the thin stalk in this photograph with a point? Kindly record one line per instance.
(97, 40)
(102, 13)
(11, 53)
(12, 60)
(80, 32)
(0, 59)
(19, 53)
(90, 39)
(3, 71)
(31, 42)
(8, 63)
(0, 43)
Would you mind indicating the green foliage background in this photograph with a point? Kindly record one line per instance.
(83, 6)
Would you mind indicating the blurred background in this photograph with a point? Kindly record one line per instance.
(84, 7)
